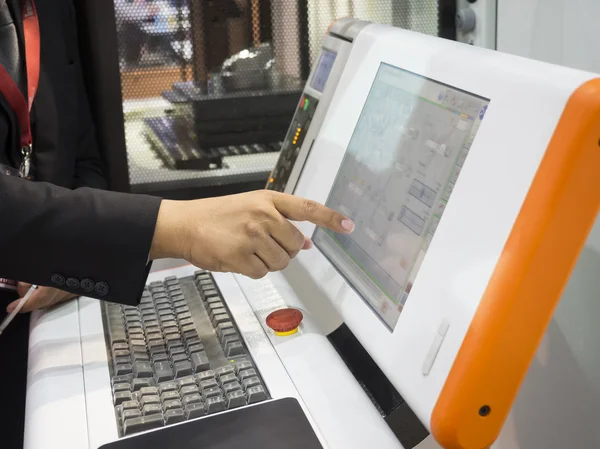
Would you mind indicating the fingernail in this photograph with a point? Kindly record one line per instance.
(308, 244)
(10, 307)
(348, 225)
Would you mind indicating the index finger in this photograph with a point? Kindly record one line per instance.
(301, 209)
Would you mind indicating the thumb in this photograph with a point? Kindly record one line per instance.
(23, 288)
(27, 307)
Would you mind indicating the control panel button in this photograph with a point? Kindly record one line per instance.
(285, 321)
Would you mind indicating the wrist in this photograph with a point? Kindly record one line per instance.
(170, 233)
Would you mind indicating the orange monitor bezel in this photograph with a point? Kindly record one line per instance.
(543, 246)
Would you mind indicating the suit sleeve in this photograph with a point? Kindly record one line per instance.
(85, 241)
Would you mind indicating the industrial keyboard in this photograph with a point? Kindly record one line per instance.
(177, 356)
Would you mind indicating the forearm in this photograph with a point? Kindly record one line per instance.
(48, 233)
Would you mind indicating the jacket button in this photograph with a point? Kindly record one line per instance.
(72, 283)
(101, 288)
(87, 285)
(58, 279)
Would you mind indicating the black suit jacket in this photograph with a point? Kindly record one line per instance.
(85, 241)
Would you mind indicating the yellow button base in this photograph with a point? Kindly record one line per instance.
(286, 334)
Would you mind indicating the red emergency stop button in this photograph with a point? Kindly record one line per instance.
(285, 321)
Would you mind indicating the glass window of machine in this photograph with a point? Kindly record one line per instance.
(395, 180)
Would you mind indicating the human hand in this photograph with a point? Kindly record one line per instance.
(42, 298)
(249, 233)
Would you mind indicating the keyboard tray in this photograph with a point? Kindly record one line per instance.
(268, 425)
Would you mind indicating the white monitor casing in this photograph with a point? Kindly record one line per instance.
(527, 101)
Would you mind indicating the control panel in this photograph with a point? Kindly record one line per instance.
(293, 143)
(314, 102)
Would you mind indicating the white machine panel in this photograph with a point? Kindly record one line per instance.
(496, 177)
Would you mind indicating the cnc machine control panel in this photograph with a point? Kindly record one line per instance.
(293, 143)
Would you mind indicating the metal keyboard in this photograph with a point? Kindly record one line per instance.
(177, 356)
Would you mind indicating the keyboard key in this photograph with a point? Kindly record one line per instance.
(176, 350)
(121, 361)
(190, 389)
(226, 333)
(160, 357)
(151, 409)
(191, 399)
(126, 378)
(228, 378)
(121, 397)
(191, 341)
(138, 384)
(183, 369)
(215, 404)
(172, 404)
(216, 311)
(231, 386)
(174, 416)
(153, 336)
(256, 394)
(221, 318)
(140, 357)
(222, 371)
(195, 348)
(205, 375)
(195, 410)
(186, 321)
(121, 387)
(157, 350)
(142, 369)
(168, 386)
(222, 326)
(174, 336)
(199, 361)
(126, 414)
(211, 392)
(186, 382)
(157, 344)
(241, 366)
(130, 405)
(163, 371)
(212, 299)
(243, 375)
(149, 399)
(250, 382)
(169, 396)
(134, 425)
(174, 344)
(121, 353)
(153, 391)
(189, 334)
(183, 315)
(179, 358)
(208, 383)
(168, 316)
(214, 306)
(233, 349)
(236, 399)
(123, 369)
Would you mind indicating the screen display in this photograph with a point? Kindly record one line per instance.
(323, 70)
(395, 180)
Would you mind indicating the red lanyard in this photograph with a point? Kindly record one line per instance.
(11, 92)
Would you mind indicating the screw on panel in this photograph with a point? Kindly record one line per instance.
(485, 410)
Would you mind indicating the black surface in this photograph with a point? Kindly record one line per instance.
(272, 425)
(396, 412)
(447, 19)
(13, 375)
